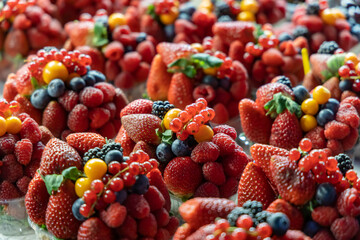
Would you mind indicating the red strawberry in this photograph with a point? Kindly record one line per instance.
(57, 156)
(127, 229)
(180, 91)
(23, 151)
(137, 206)
(8, 191)
(200, 211)
(324, 215)
(318, 63)
(226, 144)
(235, 163)
(317, 137)
(78, 120)
(138, 106)
(232, 31)
(255, 124)
(228, 130)
(182, 176)
(27, 107)
(11, 170)
(114, 215)
(295, 216)
(272, 57)
(69, 100)
(30, 130)
(83, 142)
(171, 52)
(254, 185)
(149, 149)
(294, 186)
(266, 92)
(120, 101)
(91, 97)
(182, 232)
(205, 152)
(142, 127)
(126, 143)
(54, 118)
(36, 200)
(156, 180)
(207, 189)
(22, 184)
(94, 228)
(214, 172)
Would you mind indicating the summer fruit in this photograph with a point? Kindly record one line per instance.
(139, 106)
(180, 91)
(295, 216)
(231, 31)
(83, 142)
(170, 52)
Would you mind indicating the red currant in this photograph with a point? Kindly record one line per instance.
(244, 221)
(106, 178)
(176, 124)
(222, 224)
(114, 167)
(191, 109)
(203, 100)
(129, 179)
(109, 196)
(184, 116)
(134, 168)
(154, 163)
(305, 164)
(101, 204)
(264, 230)
(85, 210)
(350, 64)
(4, 105)
(294, 154)
(192, 128)
(147, 167)
(183, 135)
(344, 71)
(90, 197)
(239, 234)
(331, 164)
(97, 185)
(211, 113)
(199, 119)
(356, 85)
(351, 175)
(116, 184)
(305, 144)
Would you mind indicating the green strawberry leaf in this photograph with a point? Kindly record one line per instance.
(280, 103)
(181, 62)
(189, 71)
(35, 83)
(258, 31)
(53, 182)
(71, 173)
(100, 35)
(151, 11)
(167, 137)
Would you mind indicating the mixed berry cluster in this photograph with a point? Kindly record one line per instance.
(13, 8)
(349, 73)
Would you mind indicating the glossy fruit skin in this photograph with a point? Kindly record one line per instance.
(116, 19)
(2, 126)
(279, 223)
(332, 104)
(324, 117)
(99, 77)
(141, 185)
(81, 186)
(164, 153)
(321, 94)
(170, 115)
(55, 69)
(56, 88)
(310, 106)
(77, 84)
(308, 122)
(205, 133)
(40, 98)
(75, 209)
(13, 125)
(95, 168)
(311, 228)
(345, 85)
(180, 148)
(114, 155)
(325, 194)
(301, 93)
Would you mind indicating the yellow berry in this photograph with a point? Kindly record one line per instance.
(198, 47)
(55, 69)
(169, 18)
(246, 16)
(2, 126)
(95, 168)
(330, 15)
(249, 5)
(206, 5)
(310, 106)
(82, 185)
(13, 125)
(351, 57)
(116, 19)
(170, 115)
(210, 71)
(205, 133)
(321, 94)
(308, 122)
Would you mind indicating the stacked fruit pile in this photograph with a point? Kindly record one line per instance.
(60, 91)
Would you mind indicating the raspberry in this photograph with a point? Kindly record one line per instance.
(323, 234)
(114, 51)
(137, 206)
(23, 184)
(23, 116)
(162, 234)
(347, 203)
(207, 189)
(172, 225)
(350, 141)
(78, 118)
(111, 107)
(124, 80)
(107, 89)
(23, 151)
(30, 130)
(324, 215)
(229, 188)
(154, 198)
(130, 61)
(205, 152)
(147, 226)
(37, 150)
(355, 101)
(335, 146)
(235, 163)
(98, 117)
(317, 137)
(11, 170)
(142, 72)
(31, 169)
(128, 229)
(8, 191)
(336, 130)
(347, 114)
(214, 172)
(7, 144)
(114, 215)
(46, 135)
(91, 97)
(226, 144)
(228, 130)
(345, 228)
(69, 100)
(162, 217)
(147, 51)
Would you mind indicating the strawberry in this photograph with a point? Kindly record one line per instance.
(27, 107)
(23, 151)
(30, 130)
(36, 200)
(114, 215)
(319, 63)
(202, 232)
(205, 152)
(286, 131)
(171, 52)
(235, 163)
(295, 216)
(182, 232)
(79, 32)
(54, 118)
(16, 43)
(254, 185)
(207, 189)
(214, 172)
(333, 86)
(294, 186)
(272, 57)
(266, 92)
(57, 156)
(157, 180)
(69, 100)
(149, 149)
(83, 142)
(78, 120)
(126, 143)
(91, 97)
(182, 176)
(142, 127)
(180, 91)
(232, 31)
(11, 170)
(94, 228)
(255, 124)
(221, 114)
(201, 211)
(139, 106)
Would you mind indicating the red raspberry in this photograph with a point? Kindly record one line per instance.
(350, 141)
(46, 135)
(37, 151)
(323, 234)
(114, 51)
(228, 130)
(8, 191)
(23, 151)
(226, 144)
(142, 72)
(336, 130)
(137, 206)
(205, 152)
(147, 226)
(204, 91)
(154, 198)
(7, 144)
(317, 137)
(114, 215)
(23, 116)
(162, 234)
(207, 189)
(11, 170)
(324, 215)
(91, 97)
(130, 61)
(347, 114)
(335, 146)
(108, 130)
(235, 163)
(345, 228)
(98, 117)
(162, 217)
(69, 100)
(172, 225)
(348, 203)
(30, 130)
(229, 188)
(111, 107)
(112, 69)
(31, 169)
(107, 89)
(78, 118)
(124, 80)
(23, 184)
(147, 51)
(355, 101)
(214, 172)
(128, 229)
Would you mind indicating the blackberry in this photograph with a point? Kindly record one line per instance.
(92, 153)
(328, 47)
(313, 8)
(261, 217)
(100, 153)
(111, 145)
(254, 206)
(284, 80)
(236, 213)
(160, 108)
(222, 9)
(344, 163)
(301, 31)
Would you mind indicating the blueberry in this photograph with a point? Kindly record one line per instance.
(285, 37)
(191, 142)
(355, 30)
(164, 153)
(345, 85)
(121, 196)
(75, 209)
(128, 49)
(141, 185)
(311, 228)
(99, 77)
(180, 148)
(169, 32)
(114, 155)
(40, 98)
(56, 88)
(89, 80)
(332, 105)
(225, 18)
(185, 16)
(325, 116)
(188, 8)
(210, 80)
(225, 83)
(325, 194)
(279, 223)
(301, 93)
(77, 84)
(141, 37)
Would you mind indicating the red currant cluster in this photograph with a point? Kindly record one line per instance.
(191, 119)
(253, 50)
(15, 7)
(244, 228)
(350, 73)
(165, 6)
(7, 108)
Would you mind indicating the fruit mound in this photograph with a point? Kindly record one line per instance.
(197, 159)
(100, 196)
(59, 90)
(328, 123)
(182, 73)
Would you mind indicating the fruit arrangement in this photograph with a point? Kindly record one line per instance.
(182, 73)
(124, 55)
(60, 91)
